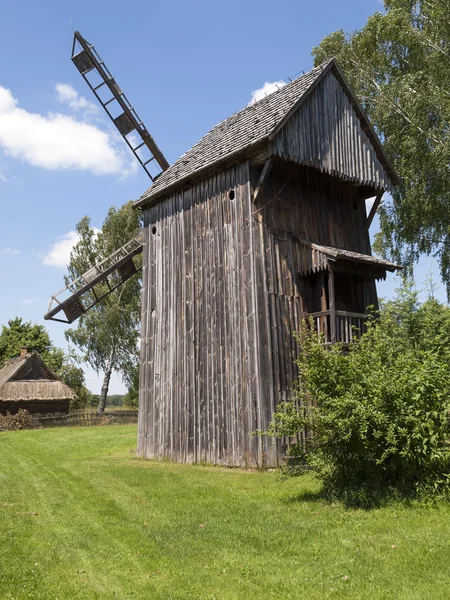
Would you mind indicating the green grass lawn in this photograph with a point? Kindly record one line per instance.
(81, 518)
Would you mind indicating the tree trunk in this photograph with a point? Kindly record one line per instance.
(105, 388)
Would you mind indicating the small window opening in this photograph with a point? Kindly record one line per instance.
(154, 230)
(355, 206)
(231, 194)
(153, 313)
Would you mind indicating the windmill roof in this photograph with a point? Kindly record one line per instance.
(341, 253)
(236, 134)
(313, 258)
(248, 128)
(29, 378)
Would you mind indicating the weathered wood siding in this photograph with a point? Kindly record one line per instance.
(298, 203)
(200, 389)
(326, 133)
(313, 207)
(221, 301)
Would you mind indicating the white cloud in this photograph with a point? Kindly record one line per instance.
(31, 300)
(3, 176)
(66, 94)
(265, 90)
(59, 253)
(10, 251)
(57, 141)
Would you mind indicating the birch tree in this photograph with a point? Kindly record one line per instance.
(108, 333)
(399, 66)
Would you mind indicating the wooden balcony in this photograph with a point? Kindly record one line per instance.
(344, 328)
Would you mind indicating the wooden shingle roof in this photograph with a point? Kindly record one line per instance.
(312, 258)
(250, 127)
(235, 135)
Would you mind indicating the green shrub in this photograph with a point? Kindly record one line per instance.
(377, 417)
(20, 420)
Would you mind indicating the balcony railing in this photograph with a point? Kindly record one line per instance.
(348, 326)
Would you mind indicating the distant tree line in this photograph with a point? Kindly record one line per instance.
(116, 400)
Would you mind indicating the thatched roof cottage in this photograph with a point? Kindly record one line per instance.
(27, 382)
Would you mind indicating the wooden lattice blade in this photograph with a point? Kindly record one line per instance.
(99, 281)
(127, 122)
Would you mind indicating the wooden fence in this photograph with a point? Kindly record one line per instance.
(84, 418)
(348, 326)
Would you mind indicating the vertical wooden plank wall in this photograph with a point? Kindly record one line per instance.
(279, 304)
(200, 392)
(314, 207)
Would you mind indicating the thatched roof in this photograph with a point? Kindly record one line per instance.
(29, 378)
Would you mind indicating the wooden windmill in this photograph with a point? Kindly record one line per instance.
(81, 294)
(258, 226)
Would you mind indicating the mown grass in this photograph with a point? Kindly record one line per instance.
(82, 518)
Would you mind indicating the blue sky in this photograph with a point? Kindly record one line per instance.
(184, 66)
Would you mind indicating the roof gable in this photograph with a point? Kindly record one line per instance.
(250, 127)
(328, 131)
(28, 377)
(33, 368)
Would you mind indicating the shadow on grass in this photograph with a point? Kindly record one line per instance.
(306, 496)
(358, 498)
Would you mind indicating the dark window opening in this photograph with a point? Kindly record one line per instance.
(349, 291)
(314, 292)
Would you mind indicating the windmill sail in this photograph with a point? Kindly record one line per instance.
(131, 128)
(98, 282)
(102, 279)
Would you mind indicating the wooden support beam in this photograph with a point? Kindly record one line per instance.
(374, 208)
(323, 307)
(264, 174)
(331, 295)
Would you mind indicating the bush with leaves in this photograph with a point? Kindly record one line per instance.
(73, 376)
(22, 419)
(377, 416)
